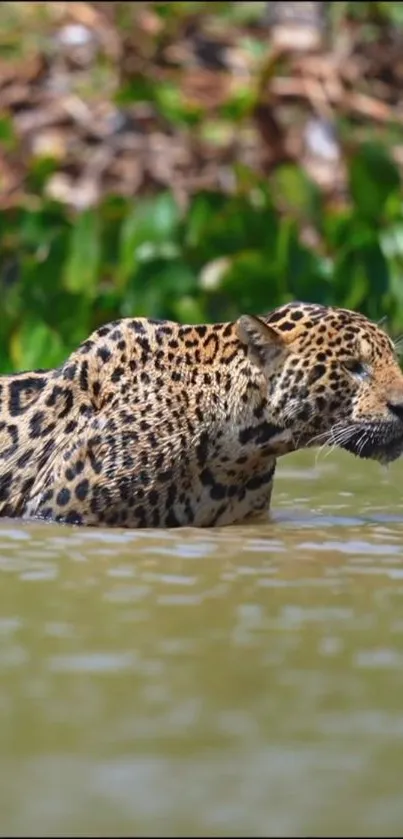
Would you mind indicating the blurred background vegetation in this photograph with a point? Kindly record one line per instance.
(194, 160)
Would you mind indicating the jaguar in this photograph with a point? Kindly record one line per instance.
(157, 424)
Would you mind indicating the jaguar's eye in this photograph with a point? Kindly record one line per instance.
(357, 368)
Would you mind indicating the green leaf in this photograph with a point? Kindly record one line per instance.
(297, 193)
(189, 310)
(304, 273)
(251, 282)
(8, 138)
(138, 89)
(239, 105)
(237, 224)
(36, 345)
(157, 287)
(361, 278)
(151, 223)
(374, 179)
(338, 228)
(83, 262)
(40, 170)
(170, 103)
(203, 208)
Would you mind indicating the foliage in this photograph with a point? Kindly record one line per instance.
(63, 274)
(64, 271)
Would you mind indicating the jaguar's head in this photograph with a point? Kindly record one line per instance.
(332, 377)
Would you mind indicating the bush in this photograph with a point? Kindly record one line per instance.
(271, 238)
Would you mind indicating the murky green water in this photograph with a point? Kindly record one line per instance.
(243, 681)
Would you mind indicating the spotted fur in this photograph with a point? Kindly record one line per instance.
(154, 424)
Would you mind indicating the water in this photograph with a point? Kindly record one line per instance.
(236, 682)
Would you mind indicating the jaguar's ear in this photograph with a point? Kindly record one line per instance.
(263, 342)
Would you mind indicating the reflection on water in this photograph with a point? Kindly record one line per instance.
(243, 681)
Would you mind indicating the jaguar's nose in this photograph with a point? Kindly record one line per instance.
(396, 407)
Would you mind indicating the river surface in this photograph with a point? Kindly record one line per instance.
(244, 681)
